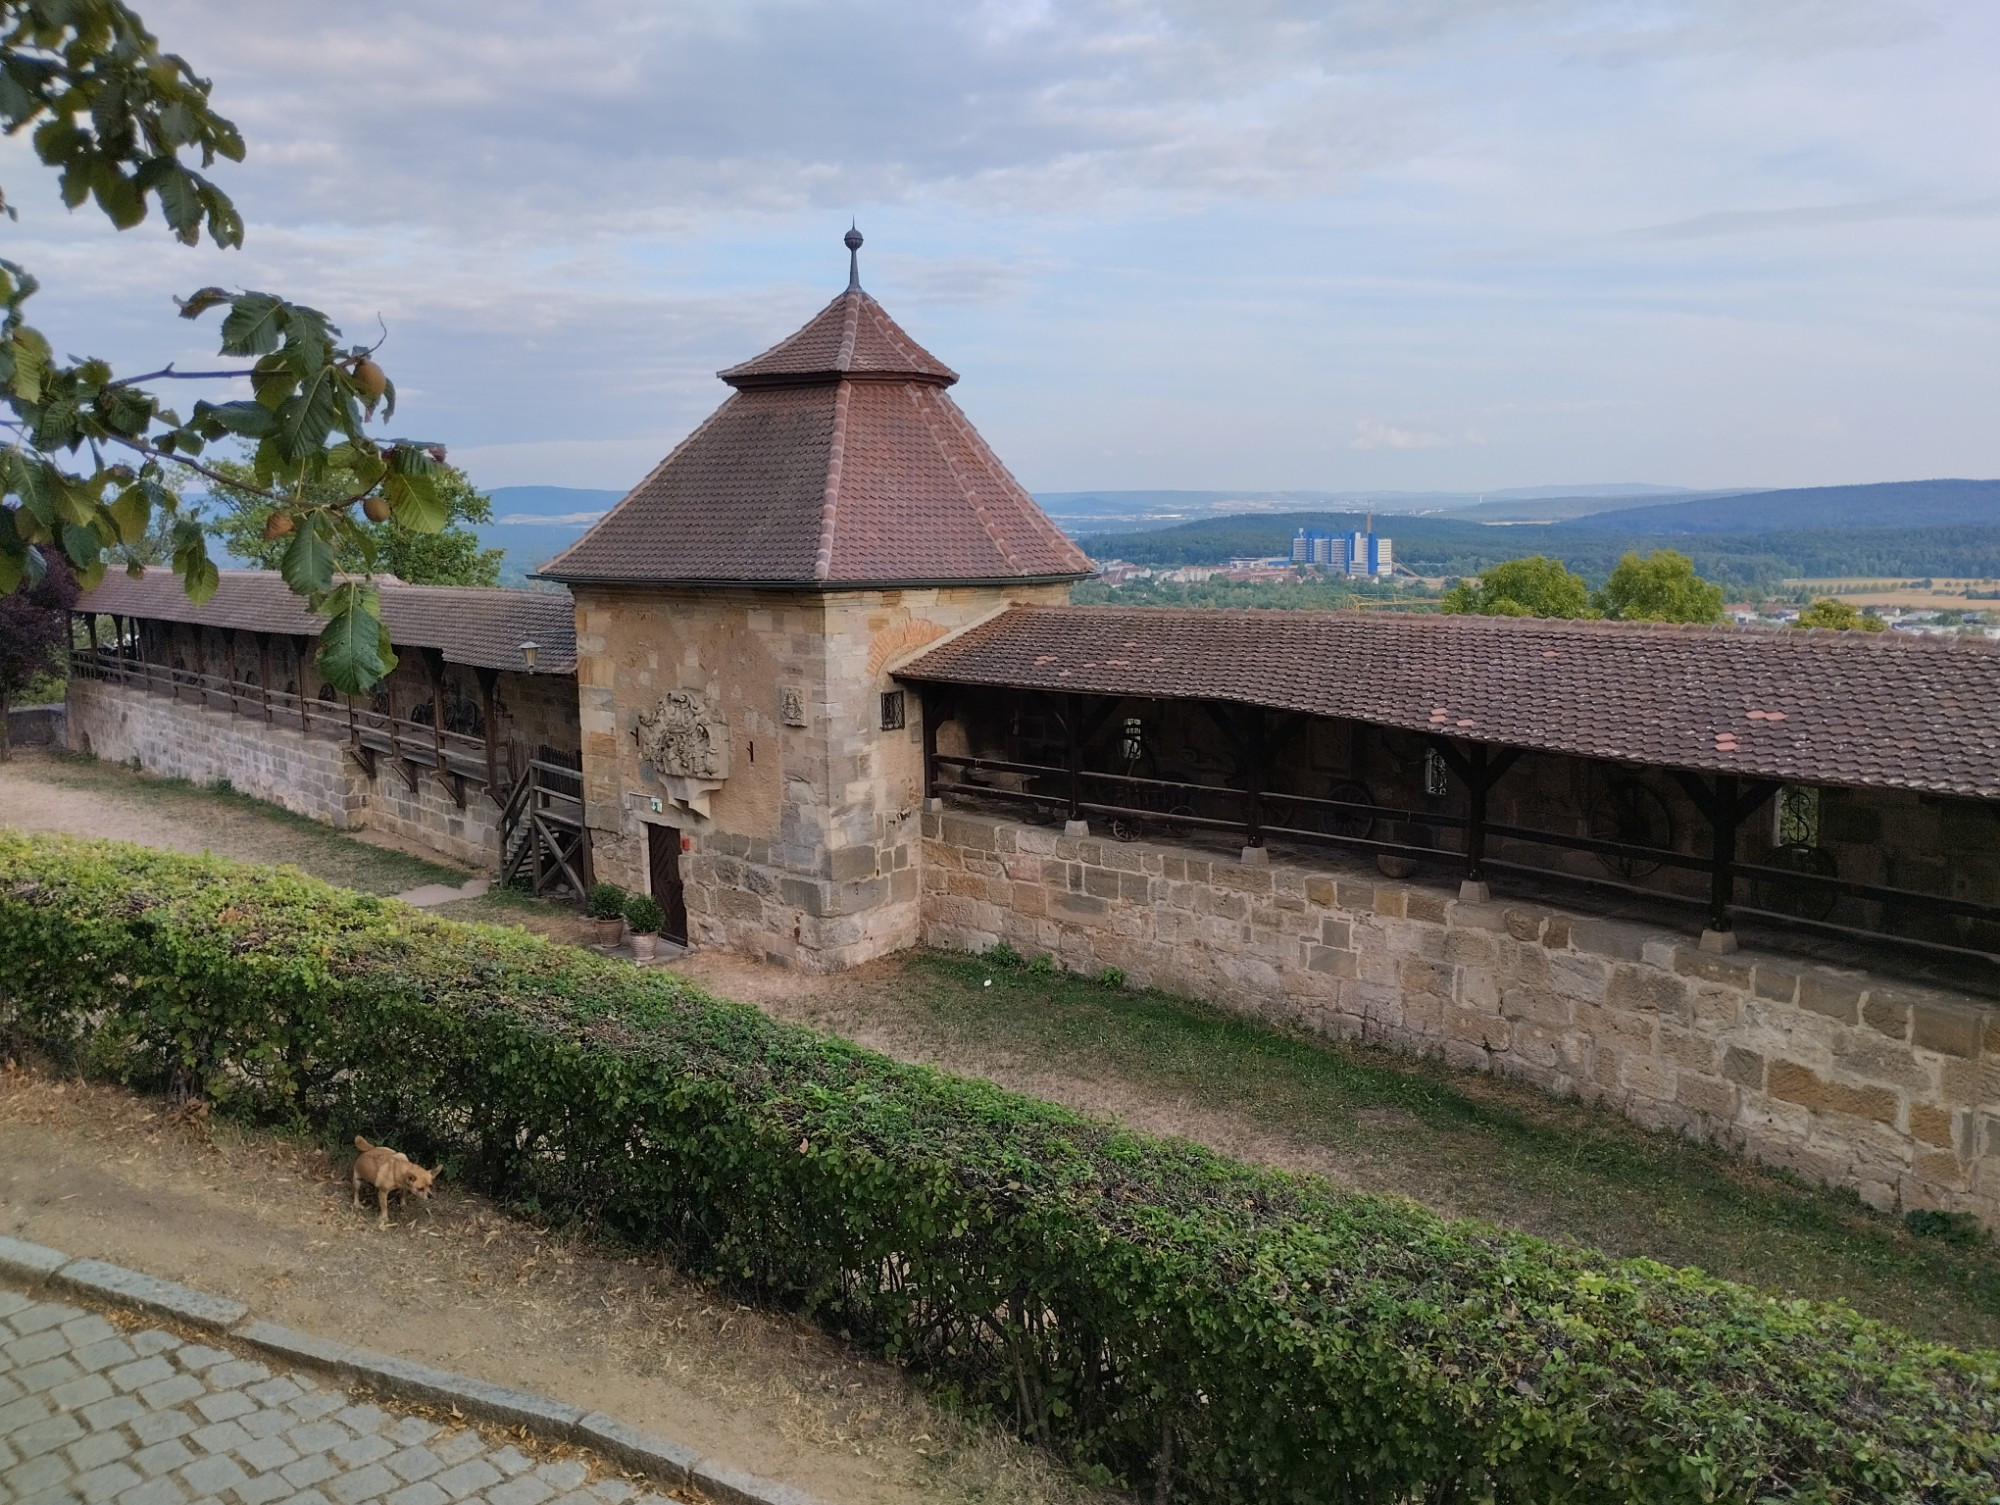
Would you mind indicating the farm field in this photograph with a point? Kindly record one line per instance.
(1942, 594)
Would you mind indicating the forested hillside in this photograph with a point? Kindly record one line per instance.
(1445, 546)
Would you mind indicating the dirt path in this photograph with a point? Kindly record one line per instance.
(99, 1171)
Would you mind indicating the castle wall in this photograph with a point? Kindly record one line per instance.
(308, 774)
(806, 854)
(1888, 1089)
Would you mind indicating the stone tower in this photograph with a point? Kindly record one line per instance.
(745, 750)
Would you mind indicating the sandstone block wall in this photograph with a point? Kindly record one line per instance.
(1845, 1078)
(309, 774)
(806, 854)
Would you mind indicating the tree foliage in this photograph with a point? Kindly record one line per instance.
(87, 466)
(450, 556)
(34, 634)
(1841, 616)
(1533, 587)
(1658, 587)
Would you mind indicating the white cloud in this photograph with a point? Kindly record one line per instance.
(1373, 433)
(1161, 238)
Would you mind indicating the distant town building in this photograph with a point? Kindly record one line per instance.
(1362, 553)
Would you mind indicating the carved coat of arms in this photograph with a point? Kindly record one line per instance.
(685, 737)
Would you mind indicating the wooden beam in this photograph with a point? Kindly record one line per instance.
(489, 716)
(932, 701)
(264, 672)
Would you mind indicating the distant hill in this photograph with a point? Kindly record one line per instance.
(533, 524)
(1449, 545)
(1118, 511)
(1890, 504)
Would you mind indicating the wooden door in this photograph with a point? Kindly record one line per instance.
(663, 857)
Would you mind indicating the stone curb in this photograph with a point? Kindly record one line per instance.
(660, 1458)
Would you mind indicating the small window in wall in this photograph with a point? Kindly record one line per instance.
(892, 710)
(1435, 781)
(1797, 815)
(1132, 739)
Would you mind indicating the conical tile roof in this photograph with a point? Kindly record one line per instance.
(839, 460)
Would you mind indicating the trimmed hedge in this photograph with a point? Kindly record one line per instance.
(1134, 1303)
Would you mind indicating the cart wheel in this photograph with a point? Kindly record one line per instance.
(1123, 827)
(1629, 812)
(1179, 820)
(1806, 900)
(1348, 822)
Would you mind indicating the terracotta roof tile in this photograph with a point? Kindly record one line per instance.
(852, 336)
(839, 460)
(481, 628)
(1862, 709)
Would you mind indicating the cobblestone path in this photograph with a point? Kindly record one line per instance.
(91, 1413)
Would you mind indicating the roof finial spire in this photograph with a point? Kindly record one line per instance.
(852, 240)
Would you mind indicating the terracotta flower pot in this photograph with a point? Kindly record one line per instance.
(644, 946)
(607, 932)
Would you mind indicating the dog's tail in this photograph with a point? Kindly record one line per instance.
(362, 1144)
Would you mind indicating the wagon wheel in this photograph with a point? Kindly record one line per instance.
(1179, 819)
(1629, 812)
(1809, 901)
(1350, 823)
(1124, 827)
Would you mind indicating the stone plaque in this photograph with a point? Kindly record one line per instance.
(685, 737)
(792, 705)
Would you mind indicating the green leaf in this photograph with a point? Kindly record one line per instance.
(308, 561)
(353, 649)
(254, 325)
(180, 202)
(417, 504)
(31, 364)
(133, 513)
(202, 300)
(251, 419)
(81, 544)
(304, 420)
(199, 575)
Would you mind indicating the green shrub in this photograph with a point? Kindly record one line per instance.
(1045, 965)
(1000, 954)
(1961, 1229)
(1110, 977)
(1130, 1302)
(644, 915)
(604, 901)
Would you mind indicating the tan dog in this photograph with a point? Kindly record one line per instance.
(388, 1170)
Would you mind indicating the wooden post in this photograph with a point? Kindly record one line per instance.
(1255, 754)
(1073, 731)
(264, 673)
(930, 706)
(489, 681)
(1475, 823)
(1479, 768)
(305, 697)
(434, 662)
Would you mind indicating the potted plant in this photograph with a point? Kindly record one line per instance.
(645, 917)
(604, 907)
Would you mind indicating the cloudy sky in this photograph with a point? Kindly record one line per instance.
(1394, 244)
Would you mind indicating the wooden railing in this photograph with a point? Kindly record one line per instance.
(1130, 805)
(414, 747)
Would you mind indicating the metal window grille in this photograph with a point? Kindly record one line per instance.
(892, 710)
(1797, 810)
(1435, 773)
(1132, 739)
